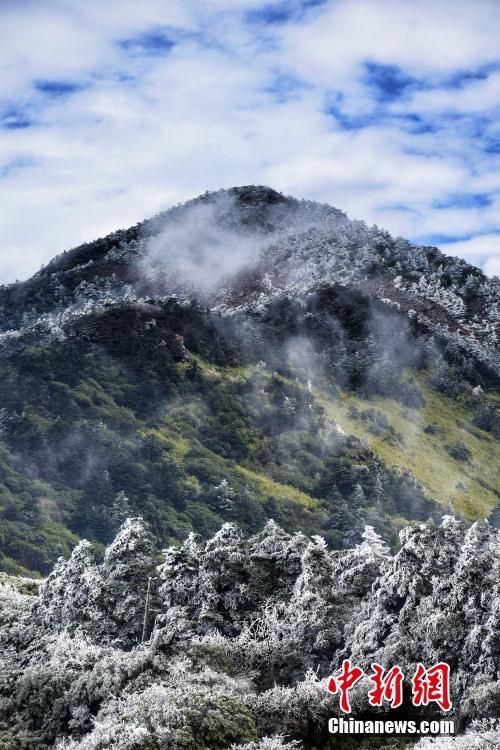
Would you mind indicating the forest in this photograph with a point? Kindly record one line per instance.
(241, 442)
(229, 642)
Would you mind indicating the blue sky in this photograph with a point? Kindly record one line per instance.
(388, 109)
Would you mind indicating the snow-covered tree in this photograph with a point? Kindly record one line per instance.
(246, 633)
(70, 597)
(127, 571)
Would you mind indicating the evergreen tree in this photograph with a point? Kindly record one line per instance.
(70, 598)
(358, 498)
(129, 563)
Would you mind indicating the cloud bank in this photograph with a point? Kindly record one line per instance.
(387, 109)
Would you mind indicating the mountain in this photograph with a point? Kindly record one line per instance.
(241, 357)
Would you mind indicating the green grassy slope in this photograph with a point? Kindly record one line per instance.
(470, 486)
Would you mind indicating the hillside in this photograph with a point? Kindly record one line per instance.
(242, 357)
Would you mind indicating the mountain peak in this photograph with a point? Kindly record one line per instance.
(257, 194)
(244, 247)
(211, 343)
(254, 195)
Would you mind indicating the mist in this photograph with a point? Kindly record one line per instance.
(200, 250)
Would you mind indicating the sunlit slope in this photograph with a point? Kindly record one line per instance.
(421, 440)
(422, 445)
(198, 442)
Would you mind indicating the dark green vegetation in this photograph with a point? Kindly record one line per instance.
(118, 402)
(121, 419)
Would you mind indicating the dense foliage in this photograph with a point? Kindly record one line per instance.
(150, 408)
(224, 643)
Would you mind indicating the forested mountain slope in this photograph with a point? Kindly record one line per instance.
(242, 357)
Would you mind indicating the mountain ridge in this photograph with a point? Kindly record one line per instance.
(245, 356)
(458, 294)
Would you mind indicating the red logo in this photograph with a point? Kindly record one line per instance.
(346, 680)
(388, 687)
(432, 685)
(428, 685)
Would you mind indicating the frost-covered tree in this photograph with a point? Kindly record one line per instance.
(225, 496)
(128, 568)
(70, 598)
(247, 631)
(483, 735)
(373, 546)
(438, 598)
(121, 509)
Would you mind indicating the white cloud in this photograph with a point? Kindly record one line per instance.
(148, 130)
(473, 97)
(477, 247)
(430, 37)
(492, 266)
(483, 250)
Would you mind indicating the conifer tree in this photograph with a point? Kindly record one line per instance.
(129, 563)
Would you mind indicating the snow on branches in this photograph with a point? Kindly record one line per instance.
(242, 635)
